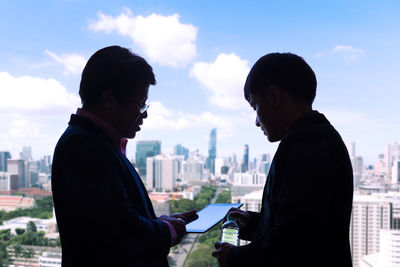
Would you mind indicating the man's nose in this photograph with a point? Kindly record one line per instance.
(144, 115)
(257, 122)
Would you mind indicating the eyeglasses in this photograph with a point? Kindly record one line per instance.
(142, 107)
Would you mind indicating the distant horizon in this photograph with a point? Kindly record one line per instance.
(131, 155)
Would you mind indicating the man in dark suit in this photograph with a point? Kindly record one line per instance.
(104, 215)
(307, 200)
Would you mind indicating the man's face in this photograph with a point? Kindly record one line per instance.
(129, 116)
(268, 115)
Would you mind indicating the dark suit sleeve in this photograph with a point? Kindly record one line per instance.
(93, 201)
(303, 189)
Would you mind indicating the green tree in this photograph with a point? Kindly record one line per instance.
(31, 227)
(224, 197)
(201, 257)
(5, 235)
(17, 250)
(28, 254)
(19, 231)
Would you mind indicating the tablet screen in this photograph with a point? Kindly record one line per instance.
(210, 216)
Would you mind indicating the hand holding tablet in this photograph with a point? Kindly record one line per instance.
(209, 217)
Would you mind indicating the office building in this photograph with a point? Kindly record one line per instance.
(50, 259)
(26, 153)
(181, 150)
(4, 156)
(245, 183)
(219, 162)
(371, 213)
(212, 151)
(144, 150)
(18, 167)
(192, 171)
(245, 162)
(252, 201)
(5, 182)
(392, 154)
(396, 172)
(162, 172)
(45, 164)
(33, 167)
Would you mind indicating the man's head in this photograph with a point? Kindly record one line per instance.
(114, 86)
(280, 87)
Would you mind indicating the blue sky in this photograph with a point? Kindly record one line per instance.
(201, 52)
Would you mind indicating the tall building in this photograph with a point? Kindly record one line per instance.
(264, 163)
(33, 172)
(219, 162)
(389, 248)
(392, 154)
(45, 164)
(162, 172)
(370, 215)
(245, 162)
(144, 150)
(245, 183)
(181, 150)
(192, 171)
(18, 167)
(396, 172)
(4, 156)
(212, 150)
(356, 163)
(26, 153)
(5, 183)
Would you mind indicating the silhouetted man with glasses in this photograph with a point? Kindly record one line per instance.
(104, 215)
(307, 200)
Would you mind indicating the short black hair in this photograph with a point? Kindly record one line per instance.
(285, 70)
(116, 69)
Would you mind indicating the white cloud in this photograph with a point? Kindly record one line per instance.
(162, 118)
(31, 94)
(225, 79)
(163, 39)
(73, 63)
(349, 53)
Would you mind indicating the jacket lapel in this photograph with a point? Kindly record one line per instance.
(141, 188)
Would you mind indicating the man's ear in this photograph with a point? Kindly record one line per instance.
(276, 95)
(107, 99)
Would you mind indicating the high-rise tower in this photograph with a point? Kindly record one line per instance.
(212, 150)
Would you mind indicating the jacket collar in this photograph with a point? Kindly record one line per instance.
(309, 118)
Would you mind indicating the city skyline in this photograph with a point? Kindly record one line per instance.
(201, 54)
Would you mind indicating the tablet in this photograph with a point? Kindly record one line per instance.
(210, 216)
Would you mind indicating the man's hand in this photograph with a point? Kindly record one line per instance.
(179, 227)
(187, 216)
(241, 216)
(222, 253)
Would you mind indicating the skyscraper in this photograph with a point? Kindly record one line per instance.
(245, 162)
(145, 149)
(162, 172)
(26, 153)
(181, 150)
(4, 156)
(392, 154)
(18, 167)
(212, 150)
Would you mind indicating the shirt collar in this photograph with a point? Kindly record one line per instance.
(109, 130)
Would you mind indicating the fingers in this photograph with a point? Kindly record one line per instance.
(184, 215)
(215, 254)
(217, 245)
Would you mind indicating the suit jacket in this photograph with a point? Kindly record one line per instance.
(307, 202)
(104, 215)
